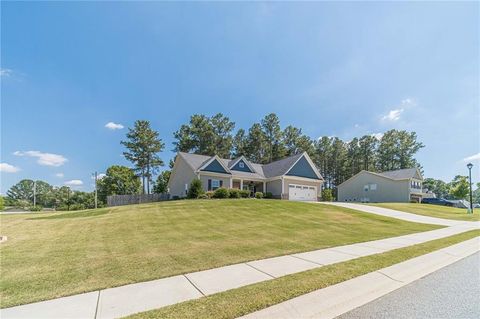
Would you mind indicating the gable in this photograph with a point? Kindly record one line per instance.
(302, 169)
(238, 167)
(216, 167)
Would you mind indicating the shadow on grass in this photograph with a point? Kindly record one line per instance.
(89, 213)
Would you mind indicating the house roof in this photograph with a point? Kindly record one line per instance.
(401, 173)
(273, 169)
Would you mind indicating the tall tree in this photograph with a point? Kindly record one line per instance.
(256, 144)
(206, 136)
(354, 159)
(161, 184)
(143, 146)
(323, 151)
(22, 191)
(397, 149)
(240, 143)
(459, 187)
(368, 148)
(118, 180)
(295, 142)
(273, 137)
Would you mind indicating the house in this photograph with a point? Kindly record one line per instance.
(403, 185)
(293, 178)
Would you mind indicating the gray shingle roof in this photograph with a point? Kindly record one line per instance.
(400, 173)
(273, 169)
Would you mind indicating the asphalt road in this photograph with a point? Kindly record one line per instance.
(451, 292)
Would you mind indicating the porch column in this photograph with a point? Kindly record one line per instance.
(264, 187)
(231, 182)
(241, 184)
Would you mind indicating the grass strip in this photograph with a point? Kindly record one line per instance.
(241, 301)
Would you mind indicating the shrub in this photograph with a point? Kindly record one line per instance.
(244, 193)
(268, 195)
(195, 189)
(203, 196)
(327, 195)
(35, 208)
(258, 195)
(234, 193)
(210, 194)
(221, 193)
(2, 203)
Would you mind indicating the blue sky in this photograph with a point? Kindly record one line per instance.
(343, 69)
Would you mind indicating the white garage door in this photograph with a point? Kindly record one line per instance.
(302, 192)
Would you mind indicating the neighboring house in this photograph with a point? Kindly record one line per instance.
(403, 185)
(294, 177)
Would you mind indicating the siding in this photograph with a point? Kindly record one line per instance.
(302, 169)
(183, 174)
(215, 167)
(204, 177)
(275, 187)
(387, 190)
(238, 168)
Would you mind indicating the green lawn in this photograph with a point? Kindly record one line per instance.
(433, 210)
(50, 255)
(241, 301)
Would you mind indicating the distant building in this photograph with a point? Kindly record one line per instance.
(403, 185)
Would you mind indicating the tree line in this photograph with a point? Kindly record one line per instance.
(267, 141)
(263, 142)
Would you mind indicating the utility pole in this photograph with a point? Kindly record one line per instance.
(34, 194)
(95, 174)
(469, 166)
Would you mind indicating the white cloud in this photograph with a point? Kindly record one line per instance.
(7, 168)
(46, 159)
(393, 115)
(378, 136)
(74, 182)
(357, 125)
(113, 126)
(5, 72)
(59, 175)
(475, 157)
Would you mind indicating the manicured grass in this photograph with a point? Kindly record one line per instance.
(434, 211)
(241, 301)
(51, 255)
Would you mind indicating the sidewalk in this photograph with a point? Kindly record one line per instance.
(126, 300)
(338, 299)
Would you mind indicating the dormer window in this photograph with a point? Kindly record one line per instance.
(241, 165)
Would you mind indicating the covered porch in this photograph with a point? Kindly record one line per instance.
(249, 184)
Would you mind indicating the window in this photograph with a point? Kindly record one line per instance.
(305, 187)
(241, 165)
(373, 187)
(365, 188)
(299, 187)
(215, 184)
(312, 188)
(291, 186)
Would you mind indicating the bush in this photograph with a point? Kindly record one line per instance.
(210, 194)
(234, 193)
(2, 203)
(203, 196)
(268, 195)
(195, 189)
(35, 208)
(221, 193)
(244, 193)
(258, 195)
(327, 195)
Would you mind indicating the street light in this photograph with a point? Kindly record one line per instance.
(469, 166)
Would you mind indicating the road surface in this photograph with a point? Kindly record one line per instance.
(451, 292)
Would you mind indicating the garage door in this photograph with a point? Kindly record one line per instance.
(302, 192)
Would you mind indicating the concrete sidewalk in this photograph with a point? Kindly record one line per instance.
(126, 300)
(335, 300)
(399, 214)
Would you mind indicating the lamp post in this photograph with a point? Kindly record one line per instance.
(469, 166)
